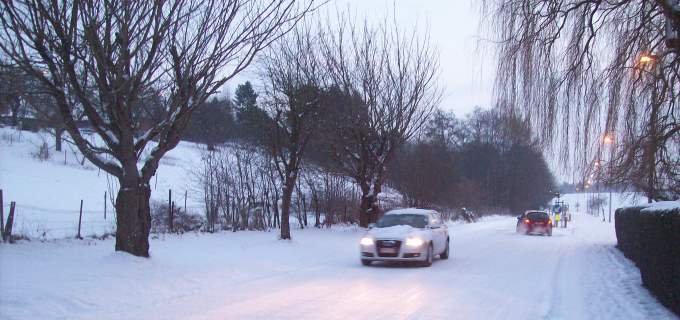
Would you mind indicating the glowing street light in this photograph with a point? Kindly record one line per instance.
(608, 139)
(647, 58)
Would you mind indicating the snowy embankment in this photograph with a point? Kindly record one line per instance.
(494, 273)
(661, 207)
(48, 193)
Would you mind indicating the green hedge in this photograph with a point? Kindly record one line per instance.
(651, 239)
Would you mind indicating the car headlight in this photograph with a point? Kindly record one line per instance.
(414, 242)
(366, 241)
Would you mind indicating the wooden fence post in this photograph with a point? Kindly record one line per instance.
(104, 205)
(7, 236)
(2, 217)
(170, 213)
(80, 219)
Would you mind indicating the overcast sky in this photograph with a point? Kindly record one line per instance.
(466, 73)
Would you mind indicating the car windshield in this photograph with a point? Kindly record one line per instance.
(413, 220)
(537, 216)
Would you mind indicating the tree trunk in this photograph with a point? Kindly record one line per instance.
(367, 199)
(364, 208)
(368, 209)
(15, 106)
(275, 208)
(286, 199)
(58, 132)
(375, 207)
(133, 217)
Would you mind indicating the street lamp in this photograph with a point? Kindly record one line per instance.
(609, 140)
(587, 186)
(653, 61)
(645, 58)
(648, 58)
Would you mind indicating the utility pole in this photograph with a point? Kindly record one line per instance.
(610, 204)
(651, 147)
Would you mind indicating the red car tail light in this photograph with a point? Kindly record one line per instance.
(527, 221)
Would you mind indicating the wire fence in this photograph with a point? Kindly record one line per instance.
(36, 222)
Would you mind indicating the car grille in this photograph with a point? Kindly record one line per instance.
(396, 244)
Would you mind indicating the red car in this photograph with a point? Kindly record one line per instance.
(534, 222)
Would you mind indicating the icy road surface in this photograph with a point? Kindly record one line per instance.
(494, 273)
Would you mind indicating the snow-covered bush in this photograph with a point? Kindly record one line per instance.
(237, 181)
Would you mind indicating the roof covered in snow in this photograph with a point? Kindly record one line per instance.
(411, 211)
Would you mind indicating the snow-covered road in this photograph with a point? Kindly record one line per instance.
(494, 273)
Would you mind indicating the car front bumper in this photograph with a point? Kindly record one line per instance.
(404, 253)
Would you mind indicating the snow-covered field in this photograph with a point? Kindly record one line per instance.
(494, 273)
(48, 193)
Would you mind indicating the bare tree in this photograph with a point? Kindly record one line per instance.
(386, 87)
(186, 49)
(14, 89)
(22, 95)
(588, 70)
(293, 77)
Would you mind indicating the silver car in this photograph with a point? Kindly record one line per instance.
(406, 235)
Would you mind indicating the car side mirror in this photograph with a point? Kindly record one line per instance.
(371, 225)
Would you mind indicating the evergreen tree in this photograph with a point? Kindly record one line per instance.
(245, 96)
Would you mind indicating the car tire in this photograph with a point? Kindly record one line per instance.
(445, 255)
(550, 233)
(366, 262)
(428, 258)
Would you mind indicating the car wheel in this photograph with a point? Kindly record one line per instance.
(445, 255)
(366, 262)
(428, 258)
(550, 233)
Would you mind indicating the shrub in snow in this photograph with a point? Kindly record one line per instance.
(181, 220)
(650, 237)
(596, 203)
(43, 152)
